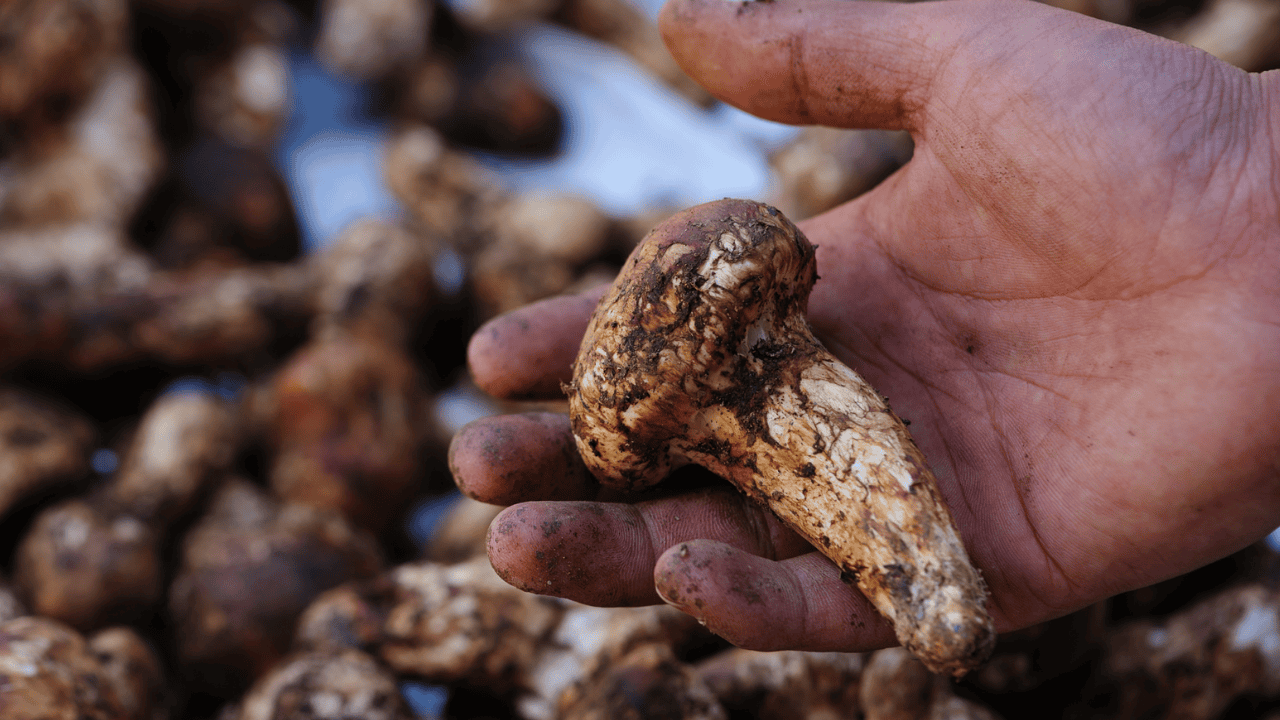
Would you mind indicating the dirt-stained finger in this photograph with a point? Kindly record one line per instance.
(819, 62)
(507, 459)
(603, 554)
(798, 603)
(849, 64)
(527, 353)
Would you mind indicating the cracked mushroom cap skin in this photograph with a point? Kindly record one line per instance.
(701, 353)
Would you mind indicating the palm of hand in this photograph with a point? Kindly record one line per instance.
(1055, 326)
(1065, 291)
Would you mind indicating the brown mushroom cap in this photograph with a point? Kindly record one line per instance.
(668, 338)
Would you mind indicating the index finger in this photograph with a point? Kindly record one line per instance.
(528, 353)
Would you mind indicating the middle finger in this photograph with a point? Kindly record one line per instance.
(604, 554)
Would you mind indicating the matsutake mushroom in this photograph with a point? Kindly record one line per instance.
(700, 353)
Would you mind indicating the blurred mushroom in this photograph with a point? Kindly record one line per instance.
(47, 670)
(184, 442)
(539, 244)
(1245, 33)
(460, 534)
(367, 39)
(134, 670)
(80, 297)
(311, 686)
(350, 616)
(54, 52)
(10, 606)
(57, 287)
(895, 685)
(647, 683)
(248, 570)
(375, 278)
(787, 684)
(88, 565)
(236, 317)
(221, 206)
(1193, 664)
(584, 663)
(460, 624)
(102, 162)
(445, 191)
(496, 103)
(245, 99)
(91, 561)
(823, 167)
(624, 25)
(42, 446)
(346, 428)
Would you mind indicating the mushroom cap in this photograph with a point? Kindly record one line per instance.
(704, 290)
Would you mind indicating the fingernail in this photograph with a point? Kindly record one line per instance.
(668, 588)
(672, 598)
(669, 597)
(663, 582)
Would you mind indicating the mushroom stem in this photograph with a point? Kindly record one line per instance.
(701, 353)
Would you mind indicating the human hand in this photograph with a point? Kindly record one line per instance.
(1072, 291)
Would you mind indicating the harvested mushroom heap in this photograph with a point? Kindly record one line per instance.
(700, 353)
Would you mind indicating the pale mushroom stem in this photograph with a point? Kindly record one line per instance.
(839, 467)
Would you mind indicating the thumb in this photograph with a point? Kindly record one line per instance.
(841, 63)
(824, 62)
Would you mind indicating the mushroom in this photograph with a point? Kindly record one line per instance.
(461, 624)
(823, 167)
(541, 243)
(1245, 33)
(85, 565)
(461, 532)
(82, 298)
(54, 52)
(134, 670)
(48, 670)
(896, 686)
(335, 684)
(647, 683)
(184, 443)
(247, 571)
(369, 39)
(10, 606)
(345, 428)
(700, 353)
(94, 559)
(244, 99)
(1193, 664)
(785, 684)
(44, 447)
(626, 26)
(98, 165)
